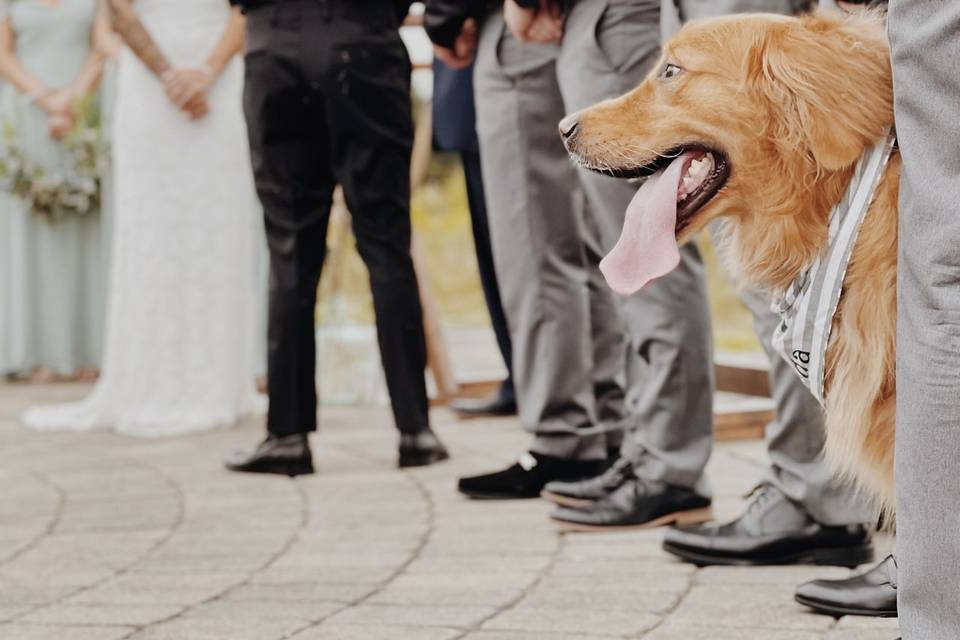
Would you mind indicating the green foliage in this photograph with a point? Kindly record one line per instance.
(732, 322)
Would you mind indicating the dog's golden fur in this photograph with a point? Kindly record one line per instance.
(792, 103)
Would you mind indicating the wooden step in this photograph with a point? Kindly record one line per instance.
(736, 416)
(740, 417)
(746, 374)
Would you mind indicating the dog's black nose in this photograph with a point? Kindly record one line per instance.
(568, 126)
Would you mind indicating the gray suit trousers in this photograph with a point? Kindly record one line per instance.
(925, 38)
(551, 224)
(568, 342)
(796, 437)
(608, 49)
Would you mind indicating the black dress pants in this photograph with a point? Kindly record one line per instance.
(327, 101)
(473, 176)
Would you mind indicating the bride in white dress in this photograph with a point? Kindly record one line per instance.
(181, 330)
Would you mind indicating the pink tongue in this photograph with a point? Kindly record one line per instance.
(647, 248)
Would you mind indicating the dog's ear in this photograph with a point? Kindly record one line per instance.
(829, 80)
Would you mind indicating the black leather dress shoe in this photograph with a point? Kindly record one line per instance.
(421, 449)
(637, 504)
(773, 530)
(283, 455)
(582, 493)
(527, 477)
(502, 403)
(873, 593)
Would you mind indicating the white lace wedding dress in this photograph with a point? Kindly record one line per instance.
(181, 331)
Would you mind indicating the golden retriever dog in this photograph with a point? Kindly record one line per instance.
(760, 120)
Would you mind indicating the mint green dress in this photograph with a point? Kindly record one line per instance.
(51, 273)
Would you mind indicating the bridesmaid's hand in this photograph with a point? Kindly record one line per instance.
(58, 102)
(60, 125)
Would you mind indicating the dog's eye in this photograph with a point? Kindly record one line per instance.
(670, 71)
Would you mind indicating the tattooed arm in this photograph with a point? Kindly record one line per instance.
(128, 25)
(138, 39)
(189, 83)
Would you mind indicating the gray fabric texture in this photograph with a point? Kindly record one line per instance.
(552, 297)
(926, 59)
(551, 223)
(795, 437)
(608, 49)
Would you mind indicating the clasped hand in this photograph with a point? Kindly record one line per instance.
(460, 56)
(543, 25)
(61, 115)
(187, 89)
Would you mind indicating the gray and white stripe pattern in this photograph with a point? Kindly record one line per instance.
(807, 308)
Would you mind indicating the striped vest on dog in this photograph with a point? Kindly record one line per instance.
(807, 307)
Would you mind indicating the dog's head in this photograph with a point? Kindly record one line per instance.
(756, 118)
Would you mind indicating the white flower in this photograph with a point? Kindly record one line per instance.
(76, 191)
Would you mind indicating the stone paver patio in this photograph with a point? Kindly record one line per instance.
(105, 537)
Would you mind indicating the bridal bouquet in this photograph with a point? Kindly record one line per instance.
(54, 194)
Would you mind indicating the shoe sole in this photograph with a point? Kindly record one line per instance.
(277, 470)
(476, 495)
(839, 612)
(466, 415)
(849, 557)
(565, 501)
(679, 518)
(409, 463)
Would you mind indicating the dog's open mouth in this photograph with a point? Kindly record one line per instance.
(705, 171)
(680, 183)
